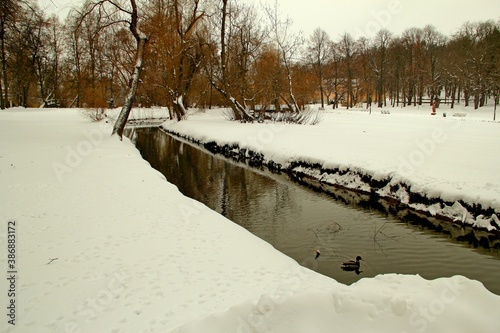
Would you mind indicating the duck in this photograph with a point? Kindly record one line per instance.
(351, 264)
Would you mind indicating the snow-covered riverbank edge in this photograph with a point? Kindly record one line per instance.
(424, 171)
(106, 244)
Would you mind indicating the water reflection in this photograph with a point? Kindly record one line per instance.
(299, 221)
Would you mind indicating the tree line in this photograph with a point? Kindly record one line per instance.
(221, 52)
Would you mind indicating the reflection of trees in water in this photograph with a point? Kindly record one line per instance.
(241, 195)
(285, 216)
(256, 201)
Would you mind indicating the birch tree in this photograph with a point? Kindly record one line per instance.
(141, 40)
(110, 13)
(288, 44)
(319, 51)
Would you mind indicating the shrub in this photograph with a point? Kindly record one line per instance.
(95, 114)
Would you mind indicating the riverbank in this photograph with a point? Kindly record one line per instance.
(104, 243)
(445, 167)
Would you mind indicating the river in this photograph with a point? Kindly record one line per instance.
(298, 221)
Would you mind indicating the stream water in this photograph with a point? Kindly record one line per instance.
(297, 220)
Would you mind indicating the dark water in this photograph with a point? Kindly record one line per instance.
(297, 220)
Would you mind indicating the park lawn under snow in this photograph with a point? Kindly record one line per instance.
(452, 159)
(105, 244)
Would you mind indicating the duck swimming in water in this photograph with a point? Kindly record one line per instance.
(351, 265)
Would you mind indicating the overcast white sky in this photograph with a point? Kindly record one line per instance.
(363, 17)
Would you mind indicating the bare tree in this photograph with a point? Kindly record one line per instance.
(141, 40)
(347, 48)
(245, 46)
(434, 43)
(268, 79)
(110, 13)
(55, 57)
(220, 78)
(480, 47)
(362, 63)
(74, 56)
(9, 9)
(379, 63)
(319, 54)
(333, 75)
(288, 44)
(28, 61)
(182, 47)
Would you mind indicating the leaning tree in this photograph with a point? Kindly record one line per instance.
(219, 74)
(112, 12)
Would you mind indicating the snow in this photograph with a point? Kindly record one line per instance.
(385, 302)
(106, 244)
(452, 159)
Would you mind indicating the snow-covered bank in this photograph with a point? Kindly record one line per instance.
(133, 254)
(105, 244)
(385, 303)
(445, 166)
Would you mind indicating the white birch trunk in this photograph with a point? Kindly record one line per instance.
(127, 106)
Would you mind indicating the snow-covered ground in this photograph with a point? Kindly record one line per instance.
(446, 166)
(104, 243)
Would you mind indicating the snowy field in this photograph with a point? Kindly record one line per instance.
(447, 166)
(104, 243)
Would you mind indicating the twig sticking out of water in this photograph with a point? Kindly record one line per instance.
(329, 231)
(379, 231)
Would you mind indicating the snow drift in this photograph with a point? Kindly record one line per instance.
(106, 244)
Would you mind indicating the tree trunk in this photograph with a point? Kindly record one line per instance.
(476, 100)
(294, 107)
(322, 97)
(2, 57)
(239, 111)
(78, 71)
(495, 108)
(397, 92)
(453, 93)
(127, 106)
(4, 92)
(141, 44)
(379, 95)
(210, 97)
(466, 96)
(179, 108)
